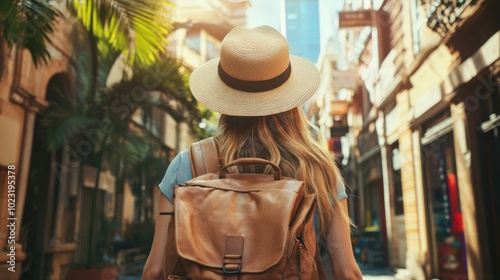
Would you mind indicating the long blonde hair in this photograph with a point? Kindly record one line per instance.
(286, 139)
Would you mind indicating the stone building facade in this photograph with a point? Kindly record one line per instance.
(424, 134)
(23, 94)
(52, 193)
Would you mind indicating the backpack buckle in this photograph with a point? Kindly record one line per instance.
(234, 253)
(230, 268)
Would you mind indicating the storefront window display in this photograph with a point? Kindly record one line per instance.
(445, 214)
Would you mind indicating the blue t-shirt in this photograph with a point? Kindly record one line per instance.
(179, 172)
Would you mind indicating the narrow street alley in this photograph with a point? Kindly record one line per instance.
(377, 120)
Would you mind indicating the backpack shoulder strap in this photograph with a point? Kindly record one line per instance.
(204, 157)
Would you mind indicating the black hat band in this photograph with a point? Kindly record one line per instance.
(254, 86)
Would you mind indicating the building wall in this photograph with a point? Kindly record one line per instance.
(128, 212)
(230, 11)
(445, 73)
(202, 27)
(426, 92)
(22, 96)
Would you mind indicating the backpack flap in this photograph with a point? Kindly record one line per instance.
(244, 229)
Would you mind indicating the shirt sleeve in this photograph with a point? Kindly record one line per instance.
(341, 193)
(178, 172)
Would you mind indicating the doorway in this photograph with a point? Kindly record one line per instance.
(41, 195)
(446, 233)
(489, 155)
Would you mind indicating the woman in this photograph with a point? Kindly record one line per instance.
(257, 87)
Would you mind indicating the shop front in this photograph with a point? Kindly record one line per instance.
(371, 237)
(444, 213)
(481, 98)
(489, 157)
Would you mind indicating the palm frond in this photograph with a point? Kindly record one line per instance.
(107, 56)
(138, 28)
(163, 74)
(157, 85)
(82, 66)
(151, 165)
(125, 154)
(62, 123)
(28, 24)
(166, 77)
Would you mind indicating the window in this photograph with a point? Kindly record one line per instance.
(211, 50)
(415, 26)
(193, 42)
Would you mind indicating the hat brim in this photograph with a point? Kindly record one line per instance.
(212, 92)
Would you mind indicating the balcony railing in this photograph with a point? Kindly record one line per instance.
(444, 15)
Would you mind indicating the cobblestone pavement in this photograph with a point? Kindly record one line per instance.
(378, 277)
(376, 273)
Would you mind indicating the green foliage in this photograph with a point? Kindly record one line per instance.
(105, 233)
(28, 24)
(140, 234)
(122, 147)
(138, 28)
(166, 77)
(62, 122)
(135, 30)
(125, 151)
(152, 164)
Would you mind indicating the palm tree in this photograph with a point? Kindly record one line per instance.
(133, 29)
(28, 24)
(136, 28)
(169, 92)
(125, 146)
(121, 148)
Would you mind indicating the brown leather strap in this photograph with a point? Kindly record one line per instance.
(233, 256)
(173, 264)
(248, 161)
(204, 157)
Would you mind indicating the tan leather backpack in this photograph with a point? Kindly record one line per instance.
(240, 226)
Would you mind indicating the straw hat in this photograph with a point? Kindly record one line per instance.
(255, 75)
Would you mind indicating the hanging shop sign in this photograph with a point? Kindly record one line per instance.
(339, 108)
(338, 111)
(339, 131)
(367, 142)
(356, 18)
